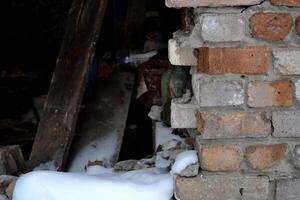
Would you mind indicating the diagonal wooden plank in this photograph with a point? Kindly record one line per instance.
(56, 127)
(102, 122)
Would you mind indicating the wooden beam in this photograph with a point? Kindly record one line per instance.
(57, 125)
(102, 123)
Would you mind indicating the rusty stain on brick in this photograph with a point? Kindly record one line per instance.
(246, 60)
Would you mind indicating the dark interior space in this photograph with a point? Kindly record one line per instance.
(31, 42)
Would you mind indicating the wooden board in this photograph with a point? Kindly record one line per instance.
(56, 128)
(102, 122)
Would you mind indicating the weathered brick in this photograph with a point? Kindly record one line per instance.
(233, 124)
(286, 123)
(270, 93)
(287, 60)
(222, 187)
(271, 26)
(288, 189)
(181, 56)
(262, 156)
(296, 156)
(222, 28)
(297, 86)
(183, 115)
(297, 23)
(295, 3)
(217, 157)
(247, 60)
(210, 3)
(218, 93)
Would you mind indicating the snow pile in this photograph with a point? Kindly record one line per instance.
(183, 160)
(102, 149)
(164, 134)
(98, 183)
(49, 166)
(3, 197)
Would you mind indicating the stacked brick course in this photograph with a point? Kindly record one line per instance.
(245, 58)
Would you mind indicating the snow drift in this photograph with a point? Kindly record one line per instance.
(151, 184)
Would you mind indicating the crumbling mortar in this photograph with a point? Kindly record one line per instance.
(291, 39)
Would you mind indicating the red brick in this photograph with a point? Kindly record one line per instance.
(248, 60)
(298, 25)
(271, 26)
(233, 124)
(270, 93)
(261, 157)
(220, 158)
(295, 3)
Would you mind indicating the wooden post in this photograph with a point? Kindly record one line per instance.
(57, 125)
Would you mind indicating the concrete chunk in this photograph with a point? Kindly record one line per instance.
(181, 56)
(183, 115)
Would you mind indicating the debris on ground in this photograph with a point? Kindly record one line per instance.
(11, 160)
(149, 80)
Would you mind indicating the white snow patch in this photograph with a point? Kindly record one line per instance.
(183, 160)
(49, 166)
(98, 170)
(163, 134)
(150, 184)
(161, 162)
(102, 149)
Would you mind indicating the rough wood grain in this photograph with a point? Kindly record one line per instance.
(56, 128)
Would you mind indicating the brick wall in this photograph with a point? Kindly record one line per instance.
(245, 110)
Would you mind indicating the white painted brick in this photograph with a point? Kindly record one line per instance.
(210, 93)
(287, 60)
(222, 28)
(183, 115)
(288, 189)
(298, 90)
(181, 56)
(286, 123)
